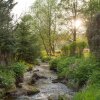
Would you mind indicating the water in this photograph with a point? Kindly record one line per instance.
(46, 87)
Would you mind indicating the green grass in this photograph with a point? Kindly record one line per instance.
(90, 93)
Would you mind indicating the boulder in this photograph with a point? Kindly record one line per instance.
(56, 81)
(11, 91)
(36, 77)
(30, 90)
(19, 80)
(53, 97)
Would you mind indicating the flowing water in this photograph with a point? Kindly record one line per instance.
(45, 85)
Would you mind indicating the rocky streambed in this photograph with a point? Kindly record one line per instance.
(38, 85)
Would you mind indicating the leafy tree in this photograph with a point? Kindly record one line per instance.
(90, 8)
(44, 13)
(70, 13)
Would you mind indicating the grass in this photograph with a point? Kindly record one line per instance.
(90, 93)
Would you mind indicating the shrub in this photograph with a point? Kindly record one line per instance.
(29, 67)
(65, 50)
(46, 59)
(95, 77)
(53, 64)
(76, 70)
(72, 48)
(7, 78)
(64, 63)
(19, 68)
(82, 71)
(80, 47)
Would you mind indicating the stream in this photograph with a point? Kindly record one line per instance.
(46, 86)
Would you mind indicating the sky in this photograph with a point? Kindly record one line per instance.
(22, 7)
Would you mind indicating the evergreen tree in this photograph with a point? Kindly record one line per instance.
(7, 41)
(27, 43)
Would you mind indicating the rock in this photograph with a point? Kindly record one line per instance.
(29, 69)
(53, 97)
(19, 80)
(53, 69)
(20, 85)
(60, 80)
(24, 98)
(30, 90)
(11, 91)
(65, 97)
(55, 81)
(36, 77)
(2, 85)
(35, 71)
(2, 92)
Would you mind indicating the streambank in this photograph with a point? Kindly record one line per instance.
(46, 88)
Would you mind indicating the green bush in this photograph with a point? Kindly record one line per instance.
(63, 65)
(46, 59)
(53, 64)
(95, 77)
(75, 48)
(76, 70)
(65, 50)
(7, 78)
(90, 93)
(19, 68)
(72, 48)
(79, 72)
(80, 47)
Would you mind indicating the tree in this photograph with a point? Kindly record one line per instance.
(27, 44)
(44, 13)
(93, 34)
(70, 13)
(90, 8)
(7, 40)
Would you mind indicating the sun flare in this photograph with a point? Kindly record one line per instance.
(77, 23)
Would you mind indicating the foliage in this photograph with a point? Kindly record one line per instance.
(7, 78)
(53, 64)
(83, 70)
(80, 47)
(90, 8)
(76, 70)
(46, 59)
(72, 48)
(27, 42)
(44, 14)
(63, 65)
(90, 93)
(68, 50)
(7, 39)
(19, 68)
(95, 77)
(65, 50)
